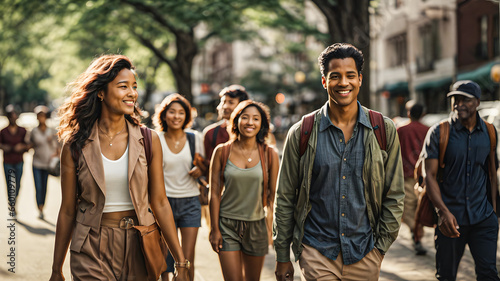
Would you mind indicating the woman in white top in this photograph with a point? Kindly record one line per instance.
(109, 183)
(182, 151)
(44, 141)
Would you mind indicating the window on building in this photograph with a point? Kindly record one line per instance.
(398, 47)
(496, 47)
(429, 47)
(482, 46)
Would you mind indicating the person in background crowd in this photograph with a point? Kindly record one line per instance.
(460, 194)
(411, 138)
(340, 203)
(171, 120)
(44, 142)
(246, 169)
(13, 142)
(217, 133)
(106, 181)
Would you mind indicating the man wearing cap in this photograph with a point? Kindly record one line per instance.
(465, 215)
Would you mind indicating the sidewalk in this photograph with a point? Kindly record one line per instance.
(35, 244)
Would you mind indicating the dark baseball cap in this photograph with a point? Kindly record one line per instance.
(466, 88)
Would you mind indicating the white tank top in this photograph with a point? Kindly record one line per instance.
(116, 180)
(178, 183)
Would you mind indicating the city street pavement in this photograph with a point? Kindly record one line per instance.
(34, 242)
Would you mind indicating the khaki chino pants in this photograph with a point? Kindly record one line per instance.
(315, 266)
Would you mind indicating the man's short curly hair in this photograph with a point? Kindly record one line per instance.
(340, 51)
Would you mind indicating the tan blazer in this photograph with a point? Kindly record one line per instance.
(92, 186)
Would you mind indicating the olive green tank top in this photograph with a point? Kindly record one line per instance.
(242, 197)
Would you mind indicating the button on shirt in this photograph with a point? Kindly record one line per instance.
(465, 174)
(338, 219)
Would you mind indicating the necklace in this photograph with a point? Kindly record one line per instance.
(245, 154)
(111, 138)
(176, 142)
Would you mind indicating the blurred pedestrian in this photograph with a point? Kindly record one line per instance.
(172, 118)
(217, 133)
(340, 202)
(246, 169)
(43, 140)
(460, 191)
(411, 138)
(13, 142)
(107, 186)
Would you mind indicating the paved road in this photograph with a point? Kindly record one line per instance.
(35, 241)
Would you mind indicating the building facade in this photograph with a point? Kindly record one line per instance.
(422, 46)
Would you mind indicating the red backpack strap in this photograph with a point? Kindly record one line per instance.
(305, 131)
(444, 136)
(378, 124)
(146, 133)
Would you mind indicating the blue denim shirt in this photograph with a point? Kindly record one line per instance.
(338, 220)
(465, 174)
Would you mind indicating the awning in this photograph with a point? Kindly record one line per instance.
(397, 89)
(480, 75)
(434, 84)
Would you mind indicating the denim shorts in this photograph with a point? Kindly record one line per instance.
(187, 211)
(250, 237)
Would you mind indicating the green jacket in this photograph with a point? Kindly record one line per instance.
(383, 179)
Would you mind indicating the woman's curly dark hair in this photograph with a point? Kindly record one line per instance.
(161, 111)
(235, 116)
(83, 108)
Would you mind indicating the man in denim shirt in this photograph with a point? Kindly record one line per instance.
(466, 216)
(340, 204)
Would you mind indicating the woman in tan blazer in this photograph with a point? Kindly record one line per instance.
(107, 186)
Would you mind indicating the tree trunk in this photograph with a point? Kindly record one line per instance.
(2, 91)
(349, 22)
(186, 51)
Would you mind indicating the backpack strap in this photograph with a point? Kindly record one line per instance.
(493, 138)
(492, 167)
(146, 133)
(265, 161)
(444, 136)
(378, 124)
(305, 131)
(214, 136)
(190, 138)
(226, 148)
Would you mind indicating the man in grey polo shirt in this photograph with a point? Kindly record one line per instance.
(340, 203)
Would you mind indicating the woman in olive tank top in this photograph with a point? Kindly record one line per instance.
(243, 174)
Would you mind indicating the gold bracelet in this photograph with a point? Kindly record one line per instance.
(186, 264)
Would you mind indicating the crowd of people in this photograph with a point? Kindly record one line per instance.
(336, 199)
